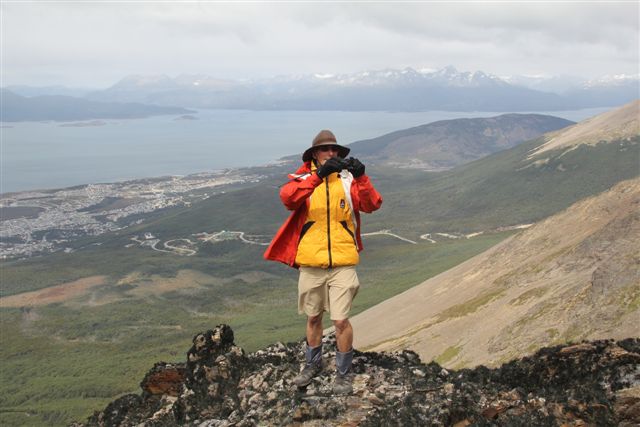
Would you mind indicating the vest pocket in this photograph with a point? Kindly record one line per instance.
(346, 227)
(305, 228)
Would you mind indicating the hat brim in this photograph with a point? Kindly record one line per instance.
(342, 151)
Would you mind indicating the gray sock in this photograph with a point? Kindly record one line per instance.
(343, 362)
(313, 355)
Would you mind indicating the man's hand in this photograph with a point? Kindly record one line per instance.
(332, 165)
(356, 167)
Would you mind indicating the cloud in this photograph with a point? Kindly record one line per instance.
(564, 22)
(84, 43)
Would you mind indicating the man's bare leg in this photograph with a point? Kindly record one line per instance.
(314, 330)
(344, 335)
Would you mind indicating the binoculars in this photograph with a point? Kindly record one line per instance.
(347, 163)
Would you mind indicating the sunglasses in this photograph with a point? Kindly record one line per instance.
(328, 148)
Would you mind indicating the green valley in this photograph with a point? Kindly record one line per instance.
(81, 328)
(61, 361)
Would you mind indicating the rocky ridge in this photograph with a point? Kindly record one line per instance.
(591, 383)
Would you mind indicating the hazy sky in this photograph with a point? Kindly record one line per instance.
(94, 44)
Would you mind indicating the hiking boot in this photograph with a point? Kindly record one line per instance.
(307, 374)
(312, 367)
(343, 384)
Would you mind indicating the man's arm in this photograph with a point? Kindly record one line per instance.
(368, 198)
(295, 192)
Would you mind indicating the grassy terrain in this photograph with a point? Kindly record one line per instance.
(449, 143)
(503, 189)
(62, 361)
(499, 190)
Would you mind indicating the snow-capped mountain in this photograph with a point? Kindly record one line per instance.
(613, 80)
(407, 89)
(448, 77)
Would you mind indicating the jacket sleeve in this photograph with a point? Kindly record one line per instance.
(296, 191)
(368, 199)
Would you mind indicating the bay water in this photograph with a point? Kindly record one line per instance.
(46, 155)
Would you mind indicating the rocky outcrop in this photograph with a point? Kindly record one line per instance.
(592, 383)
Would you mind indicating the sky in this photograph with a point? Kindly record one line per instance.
(95, 44)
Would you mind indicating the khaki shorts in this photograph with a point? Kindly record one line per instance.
(327, 289)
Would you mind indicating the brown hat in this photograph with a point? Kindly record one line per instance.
(325, 137)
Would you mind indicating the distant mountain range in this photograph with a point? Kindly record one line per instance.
(31, 91)
(382, 90)
(402, 90)
(17, 108)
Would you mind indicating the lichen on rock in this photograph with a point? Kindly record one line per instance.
(589, 383)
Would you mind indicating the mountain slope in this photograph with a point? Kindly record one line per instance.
(448, 143)
(513, 186)
(573, 276)
(622, 123)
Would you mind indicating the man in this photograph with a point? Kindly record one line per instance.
(322, 239)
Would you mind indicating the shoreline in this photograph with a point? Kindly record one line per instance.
(219, 140)
(145, 180)
(46, 221)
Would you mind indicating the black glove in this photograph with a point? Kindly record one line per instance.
(332, 165)
(356, 167)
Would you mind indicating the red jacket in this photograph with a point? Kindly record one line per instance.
(295, 195)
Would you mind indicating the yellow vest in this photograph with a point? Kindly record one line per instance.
(328, 238)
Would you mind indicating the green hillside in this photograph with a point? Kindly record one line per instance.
(61, 361)
(503, 189)
(500, 190)
(66, 356)
(450, 143)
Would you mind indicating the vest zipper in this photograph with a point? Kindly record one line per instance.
(328, 223)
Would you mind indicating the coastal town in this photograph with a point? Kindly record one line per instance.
(38, 222)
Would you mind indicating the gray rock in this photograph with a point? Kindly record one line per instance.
(593, 383)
